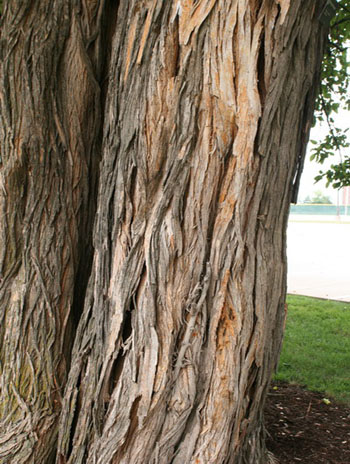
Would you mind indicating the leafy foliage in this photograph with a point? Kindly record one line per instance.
(334, 96)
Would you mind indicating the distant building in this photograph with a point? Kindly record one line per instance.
(346, 196)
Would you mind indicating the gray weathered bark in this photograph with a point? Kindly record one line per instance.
(206, 114)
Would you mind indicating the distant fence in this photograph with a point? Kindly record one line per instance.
(327, 210)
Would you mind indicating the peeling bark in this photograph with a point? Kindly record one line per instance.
(206, 113)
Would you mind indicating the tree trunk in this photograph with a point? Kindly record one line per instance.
(50, 144)
(171, 314)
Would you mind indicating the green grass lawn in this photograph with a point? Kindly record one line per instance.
(316, 347)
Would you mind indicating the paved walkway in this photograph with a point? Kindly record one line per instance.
(319, 258)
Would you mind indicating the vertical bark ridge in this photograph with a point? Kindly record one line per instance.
(190, 232)
(50, 124)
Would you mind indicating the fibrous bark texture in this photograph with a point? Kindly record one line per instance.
(172, 324)
(50, 125)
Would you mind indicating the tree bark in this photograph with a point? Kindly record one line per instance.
(172, 323)
(50, 144)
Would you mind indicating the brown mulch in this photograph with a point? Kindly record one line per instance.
(301, 428)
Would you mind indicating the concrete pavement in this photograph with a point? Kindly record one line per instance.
(319, 258)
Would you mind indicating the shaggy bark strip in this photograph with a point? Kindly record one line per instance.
(49, 126)
(184, 312)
